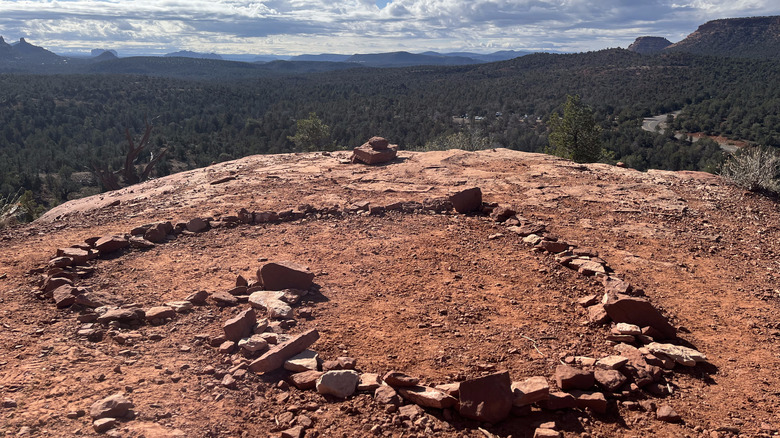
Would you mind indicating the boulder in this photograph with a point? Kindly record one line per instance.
(115, 406)
(341, 383)
(466, 201)
(198, 298)
(378, 143)
(275, 357)
(427, 397)
(638, 311)
(567, 377)
(367, 154)
(285, 275)
(157, 232)
(240, 326)
(109, 244)
(487, 399)
(613, 285)
(530, 391)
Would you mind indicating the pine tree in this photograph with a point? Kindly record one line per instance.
(576, 135)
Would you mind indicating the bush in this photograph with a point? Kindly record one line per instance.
(755, 169)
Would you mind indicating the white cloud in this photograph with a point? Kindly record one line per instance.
(349, 26)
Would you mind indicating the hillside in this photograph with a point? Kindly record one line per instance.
(442, 297)
(753, 37)
(648, 45)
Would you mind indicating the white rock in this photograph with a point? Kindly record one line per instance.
(628, 329)
(341, 383)
(180, 306)
(308, 360)
(271, 301)
(682, 355)
(253, 344)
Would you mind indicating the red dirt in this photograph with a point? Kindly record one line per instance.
(426, 294)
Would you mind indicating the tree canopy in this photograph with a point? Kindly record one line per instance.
(575, 135)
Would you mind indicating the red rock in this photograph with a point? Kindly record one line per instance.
(305, 380)
(597, 314)
(78, 255)
(542, 432)
(591, 268)
(140, 243)
(595, 401)
(53, 283)
(453, 389)
(115, 406)
(613, 285)
(638, 311)
(559, 400)
(241, 281)
(224, 299)
(157, 232)
(240, 326)
(285, 275)
(275, 357)
(197, 225)
(64, 296)
(399, 379)
(553, 247)
(609, 379)
(487, 399)
(367, 155)
(530, 391)
(122, 315)
(293, 432)
(160, 313)
(109, 244)
(60, 262)
(386, 395)
(198, 297)
(427, 397)
(378, 143)
(466, 201)
(227, 347)
(573, 378)
(666, 413)
(590, 300)
(502, 213)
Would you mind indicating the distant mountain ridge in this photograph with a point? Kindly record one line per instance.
(190, 54)
(753, 37)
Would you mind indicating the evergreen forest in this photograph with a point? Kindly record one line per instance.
(55, 127)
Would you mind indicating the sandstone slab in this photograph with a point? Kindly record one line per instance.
(427, 397)
(306, 360)
(240, 326)
(568, 377)
(682, 355)
(530, 391)
(285, 275)
(488, 398)
(305, 380)
(275, 357)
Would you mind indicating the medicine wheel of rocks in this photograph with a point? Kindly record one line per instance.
(267, 326)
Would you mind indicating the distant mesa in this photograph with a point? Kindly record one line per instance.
(189, 54)
(753, 37)
(98, 52)
(649, 45)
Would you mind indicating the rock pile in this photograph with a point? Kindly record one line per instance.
(255, 340)
(376, 150)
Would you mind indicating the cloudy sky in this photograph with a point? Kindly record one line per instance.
(357, 26)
